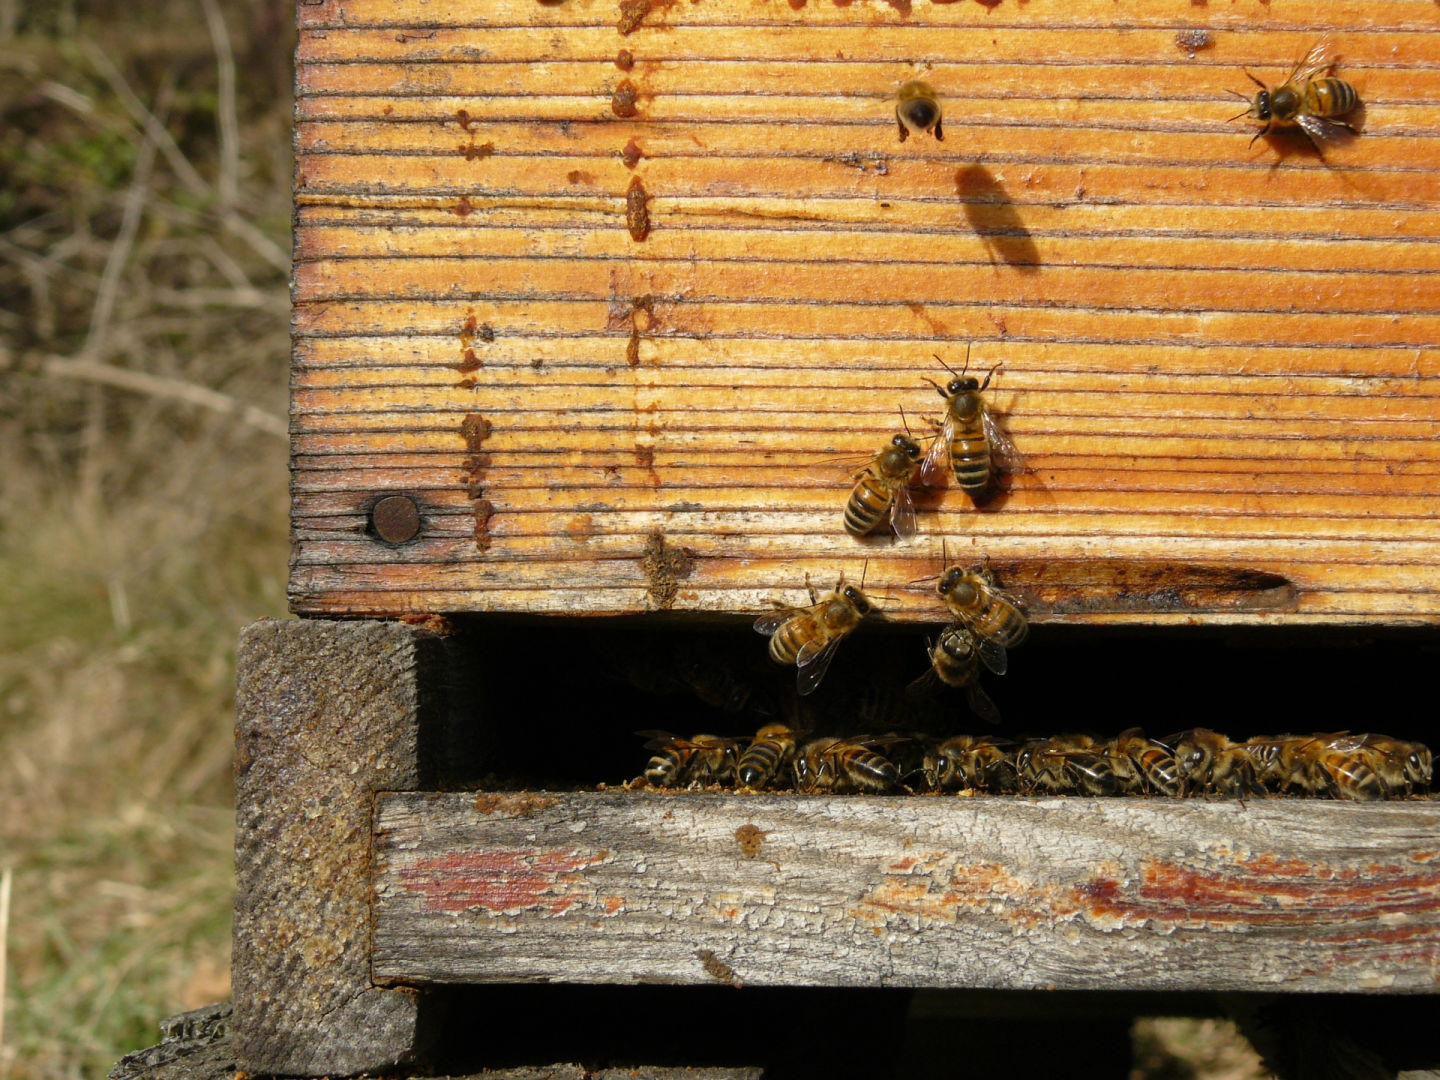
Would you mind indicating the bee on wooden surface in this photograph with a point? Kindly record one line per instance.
(1285, 763)
(917, 109)
(882, 491)
(1312, 104)
(840, 765)
(771, 751)
(981, 762)
(1346, 768)
(1211, 764)
(698, 760)
(1143, 765)
(1065, 764)
(970, 442)
(955, 661)
(809, 636)
(1402, 765)
(992, 615)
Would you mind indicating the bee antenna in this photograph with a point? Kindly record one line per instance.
(1256, 81)
(1238, 115)
(946, 366)
(864, 567)
(967, 357)
(905, 422)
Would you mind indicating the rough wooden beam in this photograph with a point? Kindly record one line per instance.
(1290, 895)
(329, 713)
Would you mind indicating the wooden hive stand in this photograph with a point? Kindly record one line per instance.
(589, 299)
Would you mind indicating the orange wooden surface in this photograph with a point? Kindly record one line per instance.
(1218, 358)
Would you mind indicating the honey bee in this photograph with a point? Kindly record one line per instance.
(955, 661)
(1346, 768)
(1404, 766)
(772, 750)
(1212, 764)
(1066, 764)
(970, 761)
(1285, 763)
(1142, 765)
(969, 439)
(917, 109)
(695, 761)
(882, 491)
(1314, 105)
(992, 615)
(809, 636)
(841, 765)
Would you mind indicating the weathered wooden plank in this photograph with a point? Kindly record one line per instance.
(555, 382)
(1339, 15)
(328, 713)
(1289, 895)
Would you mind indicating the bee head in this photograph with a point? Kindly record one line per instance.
(949, 580)
(1261, 108)
(860, 601)
(957, 646)
(961, 385)
(908, 445)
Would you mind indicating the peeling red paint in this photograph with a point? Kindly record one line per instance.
(501, 882)
(1258, 891)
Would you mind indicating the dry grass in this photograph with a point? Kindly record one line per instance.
(143, 240)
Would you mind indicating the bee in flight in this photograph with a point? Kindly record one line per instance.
(955, 661)
(970, 441)
(1312, 104)
(882, 491)
(808, 637)
(917, 109)
(992, 615)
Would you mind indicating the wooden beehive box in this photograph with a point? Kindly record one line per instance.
(591, 300)
(1218, 360)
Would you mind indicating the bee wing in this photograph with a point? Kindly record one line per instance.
(992, 655)
(925, 686)
(1004, 456)
(902, 513)
(657, 739)
(1345, 743)
(981, 705)
(1315, 62)
(813, 661)
(937, 459)
(1317, 127)
(773, 620)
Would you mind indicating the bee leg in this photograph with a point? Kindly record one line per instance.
(939, 136)
(904, 131)
(811, 589)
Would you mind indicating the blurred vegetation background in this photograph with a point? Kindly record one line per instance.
(145, 166)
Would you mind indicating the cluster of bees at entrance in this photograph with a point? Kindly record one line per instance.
(1364, 768)
(986, 621)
